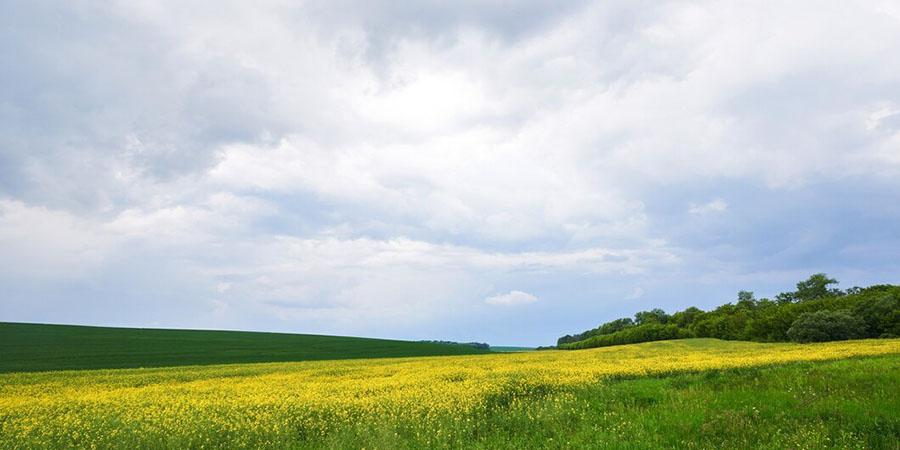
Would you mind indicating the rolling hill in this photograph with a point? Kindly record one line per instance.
(26, 347)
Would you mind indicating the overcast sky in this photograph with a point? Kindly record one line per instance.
(506, 172)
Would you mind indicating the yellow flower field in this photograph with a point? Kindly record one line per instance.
(99, 407)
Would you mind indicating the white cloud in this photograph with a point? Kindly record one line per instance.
(512, 298)
(712, 207)
(474, 183)
(636, 293)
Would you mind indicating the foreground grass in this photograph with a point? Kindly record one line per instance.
(845, 404)
(678, 394)
(26, 347)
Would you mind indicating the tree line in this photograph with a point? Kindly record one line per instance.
(478, 345)
(816, 312)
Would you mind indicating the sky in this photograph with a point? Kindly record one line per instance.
(501, 172)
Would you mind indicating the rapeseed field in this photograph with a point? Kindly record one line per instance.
(401, 402)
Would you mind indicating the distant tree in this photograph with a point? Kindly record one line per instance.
(853, 290)
(746, 300)
(816, 286)
(610, 327)
(876, 308)
(615, 326)
(879, 314)
(641, 333)
(785, 298)
(643, 318)
(655, 315)
(478, 345)
(764, 303)
(891, 325)
(686, 318)
(822, 326)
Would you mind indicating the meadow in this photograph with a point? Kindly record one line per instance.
(696, 393)
(33, 347)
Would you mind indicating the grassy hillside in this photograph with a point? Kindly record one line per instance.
(698, 393)
(37, 347)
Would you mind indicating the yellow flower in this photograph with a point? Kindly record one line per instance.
(257, 401)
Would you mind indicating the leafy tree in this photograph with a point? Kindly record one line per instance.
(606, 328)
(641, 333)
(686, 318)
(785, 298)
(661, 316)
(746, 300)
(816, 286)
(478, 345)
(655, 315)
(891, 325)
(615, 326)
(877, 307)
(876, 312)
(764, 303)
(822, 326)
(853, 290)
(644, 318)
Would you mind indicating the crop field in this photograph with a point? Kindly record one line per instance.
(26, 347)
(700, 393)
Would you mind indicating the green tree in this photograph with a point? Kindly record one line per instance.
(879, 313)
(655, 315)
(785, 298)
(877, 307)
(686, 318)
(822, 326)
(816, 286)
(746, 300)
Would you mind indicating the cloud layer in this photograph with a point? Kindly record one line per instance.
(384, 169)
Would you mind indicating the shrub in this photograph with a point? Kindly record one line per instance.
(633, 335)
(822, 326)
(880, 312)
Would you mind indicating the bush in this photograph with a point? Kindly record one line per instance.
(634, 335)
(822, 326)
(880, 312)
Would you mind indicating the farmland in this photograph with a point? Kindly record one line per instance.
(34, 347)
(701, 393)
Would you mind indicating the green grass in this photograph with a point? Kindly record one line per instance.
(842, 404)
(26, 347)
(849, 403)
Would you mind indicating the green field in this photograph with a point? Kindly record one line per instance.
(26, 347)
(697, 393)
(842, 404)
